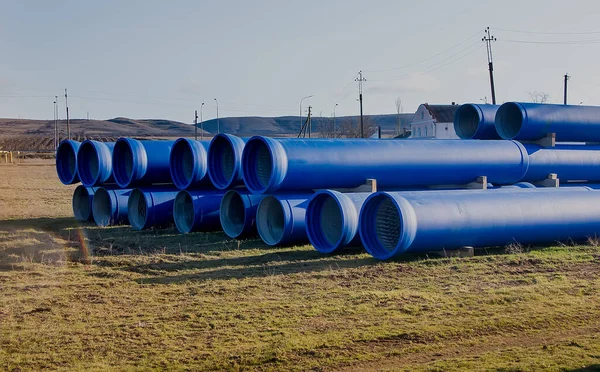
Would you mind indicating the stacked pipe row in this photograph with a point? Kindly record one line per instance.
(284, 190)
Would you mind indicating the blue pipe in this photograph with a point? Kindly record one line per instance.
(151, 207)
(238, 213)
(188, 164)
(141, 163)
(94, 163)
(225, 161)
(332, 216)
(296, 164)
(569, 162)
(197, 210)
(109, 206)
(66, 161)
(82, 203)
(533, 121)
(393, 223)
(280, 219)
(473, 121)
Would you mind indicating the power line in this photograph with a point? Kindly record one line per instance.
(545, 33)
(566, 42)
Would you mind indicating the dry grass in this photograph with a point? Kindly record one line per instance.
(80, 297)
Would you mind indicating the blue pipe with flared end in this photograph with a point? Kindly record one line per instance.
(94, 163)
(225, 160)
(297, 164)
(392, 223)
(197, 210)
(569, 162)
(152, 207)
(280, 219)
(473, 121)
(141, 163)
(533, 121)
(188, 164)
(66, 161)
(109, 206)
(82, 203)
(237, 213)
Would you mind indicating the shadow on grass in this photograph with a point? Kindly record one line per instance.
(590, 368)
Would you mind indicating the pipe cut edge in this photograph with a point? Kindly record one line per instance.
(66, 162)
(184, 213)
(233, 214)
(327, 221)
(468, 121)
(137, 209)
(103, 207)
(82, 203)
(510, 119)
(270, 220)
(223, 160)
(129, 162)
(187, 163)
(264, 164)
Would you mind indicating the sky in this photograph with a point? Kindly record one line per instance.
(162, 59)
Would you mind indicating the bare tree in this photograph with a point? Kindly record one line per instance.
(538, 97)
(398, 112)
(328, 128)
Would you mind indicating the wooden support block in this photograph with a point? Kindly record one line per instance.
(548, 141)
(480, 183)
(460, 252)
(369, 186)
(551, 181)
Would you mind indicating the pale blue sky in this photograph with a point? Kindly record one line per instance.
(161, 59)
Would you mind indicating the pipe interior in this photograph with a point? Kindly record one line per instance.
(137, 209)
(509, 120)
(102, 208)
(232, 214)
(123, 164)
(270, 220)
(184, 213)
(226, 159)
(66, 159)
(467, 121)
(81, 204)
(183, 162)
(89, 164)
(330, 221)
(388, 225)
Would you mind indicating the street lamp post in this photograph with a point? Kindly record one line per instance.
(218, 124)
(201, 123)
(336, 105)
(301, 108)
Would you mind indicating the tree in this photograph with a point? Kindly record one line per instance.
(398, 112)
(538, 97)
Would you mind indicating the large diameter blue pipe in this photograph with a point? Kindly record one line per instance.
(332, 216)
(197, 210)
(533, 121)
(188, 164)
(237, 213)
(151, 207)
(109, 206)
(82, 203)
(280, 219)
(473, 121)
(141, 163)
(66, 161)
(394, 223)
(225, 161)
(296, 164)
(569, 162)
(94, 163)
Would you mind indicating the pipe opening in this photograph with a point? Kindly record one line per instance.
(467, 121)
(123, 163)
(233, 214)
(66, 163)
(509, 120)
(222, 162)
(102, 208)
(183, 212)
(89, 165)
(258, 165)
(137, 209)
(270, 219)
(82, 209)
(388, 225)
(324, 222)
(182, 164)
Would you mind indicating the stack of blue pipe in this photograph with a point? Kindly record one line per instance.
(293, 191)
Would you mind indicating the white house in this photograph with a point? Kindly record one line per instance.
(434, 121)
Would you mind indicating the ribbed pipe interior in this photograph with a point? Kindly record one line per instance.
(222, 161)
(102, 208)
(509, 120)
(66, 161)
(467, 121)
(137, 209)
(270, 220)
(330, 221)
(183, 212)
(183, 163)
(232, 214)
(123, 163)
(88, 164)
(388, 224)
(264, 165)
(81, 204)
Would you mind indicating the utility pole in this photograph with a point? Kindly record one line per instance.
(218, 124)
(309, 121)
(201, 123)
(56, 128)
(88, 116)
(55, 144)
(566, 79)
(360, 80)
(488, 38)
(196, 125)
(68, 124)
(336, 105)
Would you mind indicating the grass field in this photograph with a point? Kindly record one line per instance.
(78, 297)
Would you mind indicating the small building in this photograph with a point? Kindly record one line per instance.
(434, 121)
